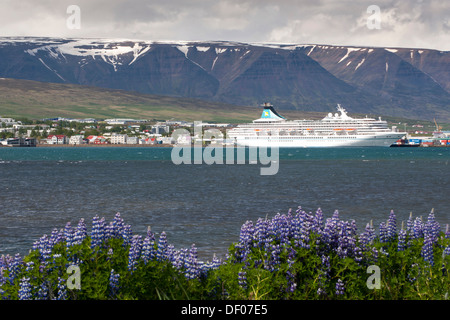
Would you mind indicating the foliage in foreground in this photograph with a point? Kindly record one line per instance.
(297, 255)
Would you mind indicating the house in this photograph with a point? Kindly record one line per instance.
(101, 140)
(97, 140)
(57, 139)
(76, 139)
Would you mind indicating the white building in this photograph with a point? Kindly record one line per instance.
(124, 121)
(132, 140)
(57, 139)
(119, 138)
(76, 139)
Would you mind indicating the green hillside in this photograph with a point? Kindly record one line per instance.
(37, 100)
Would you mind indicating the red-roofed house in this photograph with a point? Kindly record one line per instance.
(97, 140)
(57, 139)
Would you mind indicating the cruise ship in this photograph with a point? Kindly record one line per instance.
(335, 130)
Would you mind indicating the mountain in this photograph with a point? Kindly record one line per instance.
(398, 82)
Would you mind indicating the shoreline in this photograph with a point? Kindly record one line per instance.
(103, 145)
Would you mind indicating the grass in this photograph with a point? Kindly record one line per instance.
(37, 100)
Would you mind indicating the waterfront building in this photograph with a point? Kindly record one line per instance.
(117, 138)
(76, 139)
(57, 139)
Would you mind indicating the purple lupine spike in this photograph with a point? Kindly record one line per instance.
(340, 288)
(192, 271)
(246, 233)
(401, 246)
(433, 227)
(42, 293)
(335, 215)
(55, 238)
(25, 289)
(113, 283)
(364, 238)
(134, 252)
(447, 250)
(127, 235)
(68, 235)
(418, 228)
(98, 231)
(14, 267)
(318, 221)
(62, 290)
(242, 278)
(80, 232)
(118, 225)
(427, 249)
(261, 232)
(391, 226)
(162, 247)
(383, 232)
(171, 252)
(148, 248)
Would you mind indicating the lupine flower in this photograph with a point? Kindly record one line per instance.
(25, 289)
(321, 285)
(68, 235)
(148, 248)
(401, 245)
(117, 226)
(318, 221)
(110, 254)
(113, 283)
(391, 226)
(339, 287)
(290, 276)
(447, 250)
(191, 264)
(427, 249)
(127, 235)
(42, 293)
(162, 247)
(432, 227)
(242, 279)
(418, 228)
(134, 252)
(55, 238)
(98, 231)
(80, 232)
(62, 290)
(29, 266)
(15, 267)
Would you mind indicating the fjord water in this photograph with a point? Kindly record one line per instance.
(44, 188)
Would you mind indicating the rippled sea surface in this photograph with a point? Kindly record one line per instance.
(44, 188)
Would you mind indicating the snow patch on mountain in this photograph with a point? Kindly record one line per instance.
(349, 50)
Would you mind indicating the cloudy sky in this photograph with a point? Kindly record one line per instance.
(393, 23)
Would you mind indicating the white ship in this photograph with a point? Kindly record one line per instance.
(335, 130)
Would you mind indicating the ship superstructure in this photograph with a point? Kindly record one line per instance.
(335, 130)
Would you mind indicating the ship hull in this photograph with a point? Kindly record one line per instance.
(384, 140)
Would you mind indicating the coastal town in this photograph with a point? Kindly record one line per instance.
(92, 132)
(140, 132)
